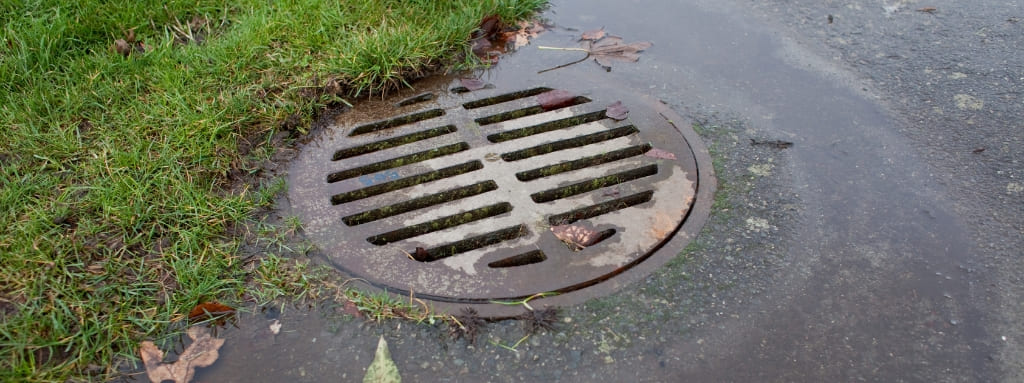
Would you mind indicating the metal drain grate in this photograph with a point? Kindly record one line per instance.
(454, 202)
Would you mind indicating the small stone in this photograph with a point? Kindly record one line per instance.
(954, 322)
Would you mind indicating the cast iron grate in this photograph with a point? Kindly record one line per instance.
(455, 201)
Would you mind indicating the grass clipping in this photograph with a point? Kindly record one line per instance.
(382, 369)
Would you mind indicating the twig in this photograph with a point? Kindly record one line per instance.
(566, 49)
(565, 65)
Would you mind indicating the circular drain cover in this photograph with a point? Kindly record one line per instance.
(491, 195)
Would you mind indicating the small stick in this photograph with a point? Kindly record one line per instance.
(565, 65)
(567, 49)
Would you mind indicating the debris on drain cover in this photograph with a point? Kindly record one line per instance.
(471, 197)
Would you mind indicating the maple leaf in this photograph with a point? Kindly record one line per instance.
(201, 353)
(604, 50)
(611, 49)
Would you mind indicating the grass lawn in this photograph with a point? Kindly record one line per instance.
(119, 174)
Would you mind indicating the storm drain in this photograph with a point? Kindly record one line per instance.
(460, 198)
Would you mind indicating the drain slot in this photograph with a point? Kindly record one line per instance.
(402, 183)
(601, 208)
(529, 111)
(528, 258)
(593, 184)
(570, 143)
(420, 203)
(546, 127)
(440, 224)
(504, 98)
(397, 121)
(581, 163)
(392, 142)
(445, 251)
(396, 162)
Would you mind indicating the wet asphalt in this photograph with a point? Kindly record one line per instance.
(884, 245)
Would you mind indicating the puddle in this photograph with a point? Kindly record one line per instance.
(874, 278)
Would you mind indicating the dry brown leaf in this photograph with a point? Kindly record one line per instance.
(593, 35)
(554, 99)
(577, 237)
(201, 353)
(421, 254)
(528, 30)
(611, 49)
(616, 111)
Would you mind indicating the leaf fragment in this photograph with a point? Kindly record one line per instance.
(421, 254)
(577, 237)
(472, 84)
(383, 369)
(554, 99)
(662, 154)
(593, 34)
(201, 353)
(617, 111)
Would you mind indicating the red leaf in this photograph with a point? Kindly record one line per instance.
(658, 153)
(617, 111)
(555, 99)
(207, 310)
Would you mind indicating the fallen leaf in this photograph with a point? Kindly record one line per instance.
(209, 310)
(350, 308)
(275, 327)
(554, 99)
(473, 83)
(978, 150)
(658, 153)
(528, 30)
(593, 35)
(201, 353)
(927, 10)
(604, 51)
(421, 254)
(382, 369)
(577, 237)
(122, 47)
(612, 49)
(489, 26)
(617, 111)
